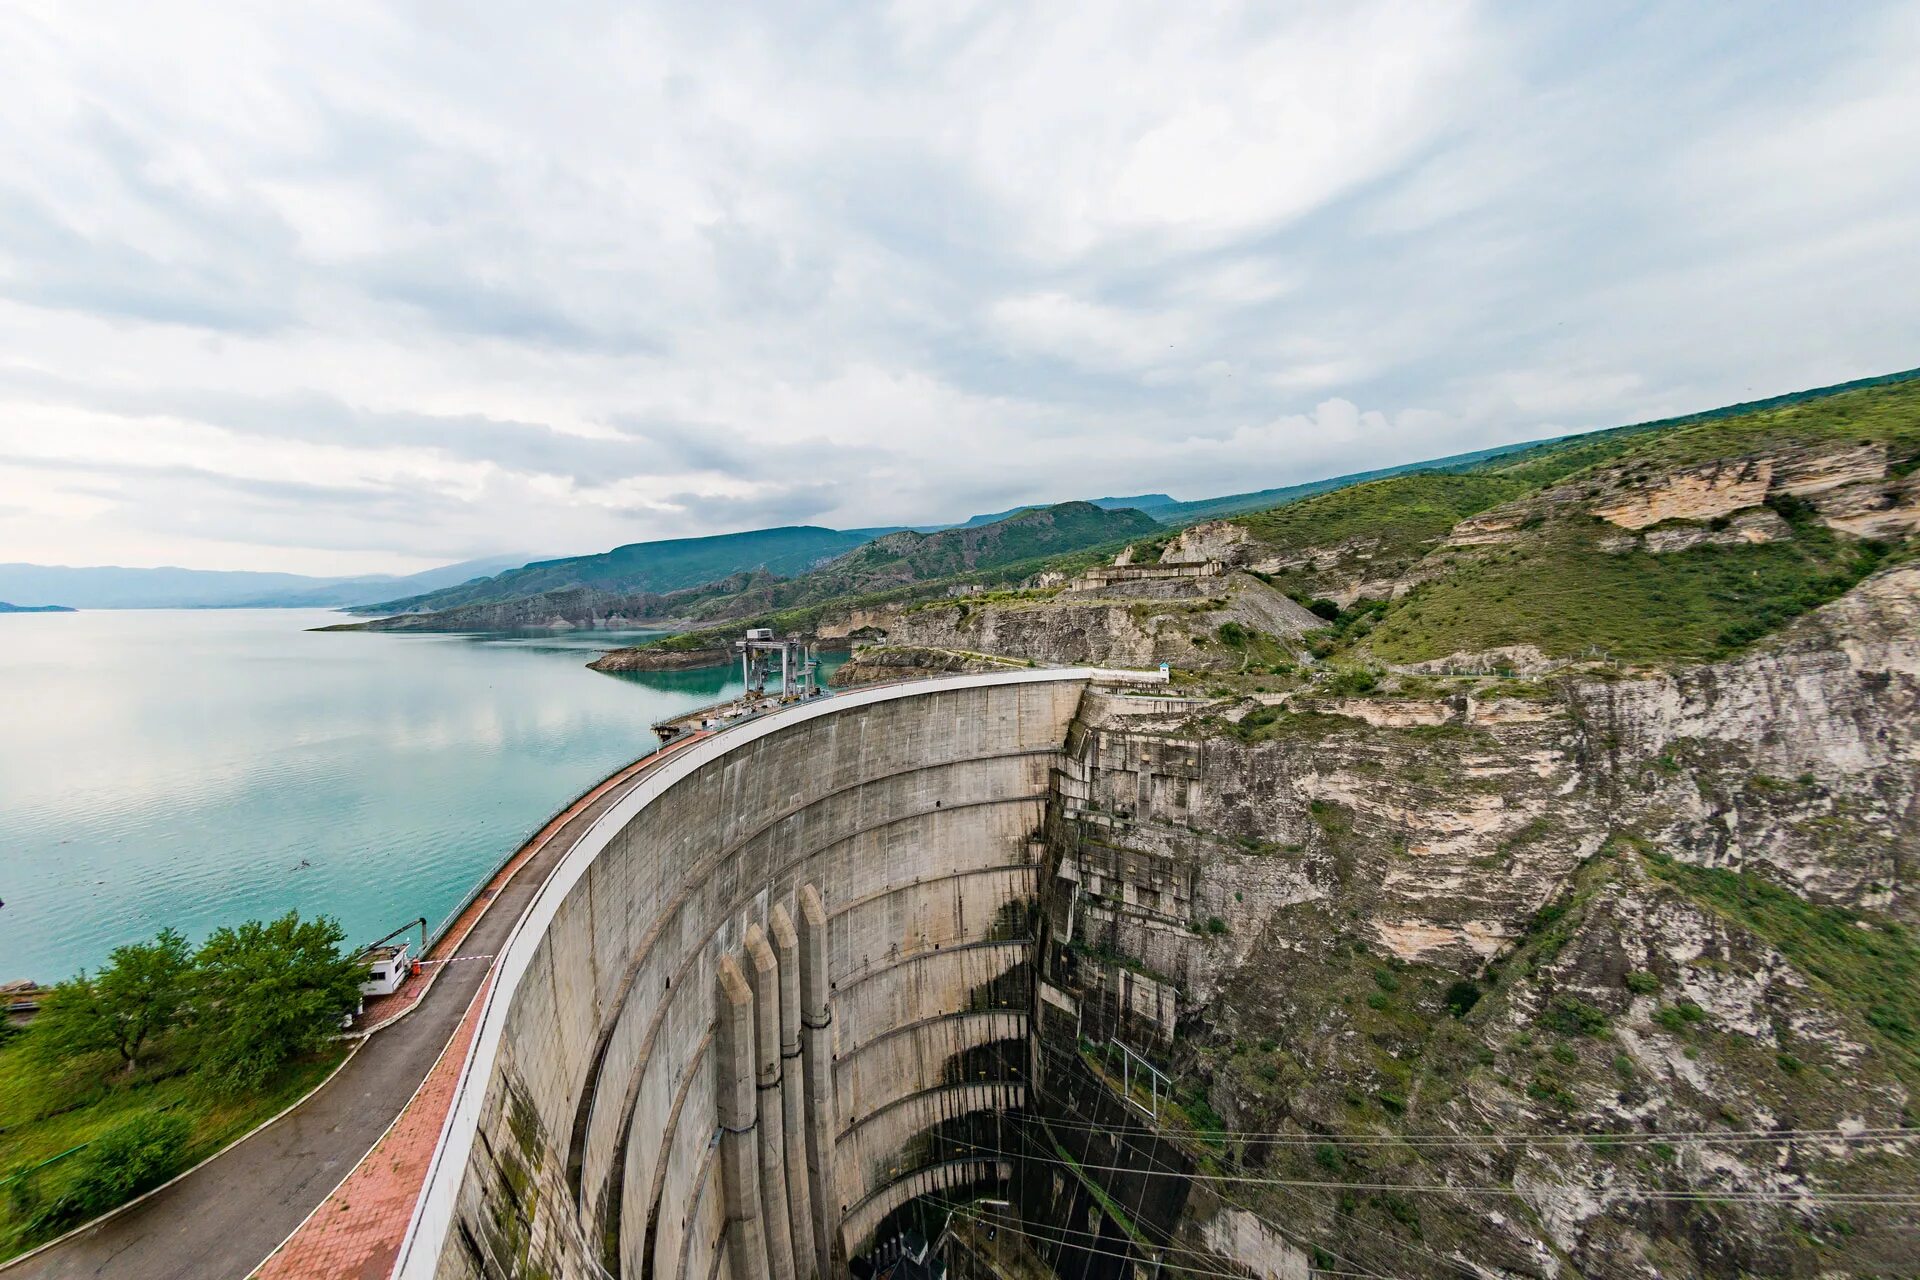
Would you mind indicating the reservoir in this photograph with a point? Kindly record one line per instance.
(192, 768)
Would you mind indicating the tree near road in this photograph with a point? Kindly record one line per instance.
(138, 996)
(268, 993)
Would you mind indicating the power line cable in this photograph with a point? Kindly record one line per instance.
(1300, 1198)
(1733, 1197)
(1002, 1225)
(1899, 1200)
(1443, 1139)
(1283, 1232)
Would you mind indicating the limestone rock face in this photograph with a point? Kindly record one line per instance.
(1805, 472)
(1887, 509)
(1126, 623)
(1749, 527)
(1701, 493)
(1214, 540)
(1489, 529)
(1348, 567)
(1537, 907)
(885, 662)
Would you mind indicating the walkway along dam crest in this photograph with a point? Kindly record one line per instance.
(780, 991)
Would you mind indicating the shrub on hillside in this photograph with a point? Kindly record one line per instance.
(129, 1159)
(1353, 681)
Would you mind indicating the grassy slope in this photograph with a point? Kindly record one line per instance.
(1596, 442)
(905, 557)
(1382, 528)
(1889, 413)
(1398, 518)
(42, 1116)
(869, 578)
(1560, 592)
(1556, 589)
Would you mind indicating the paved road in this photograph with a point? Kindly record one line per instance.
(225, 1218)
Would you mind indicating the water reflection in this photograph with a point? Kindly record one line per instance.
(189, 768)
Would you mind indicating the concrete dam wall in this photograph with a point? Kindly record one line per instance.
(769, 999)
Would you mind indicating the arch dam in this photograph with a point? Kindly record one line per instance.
(789, 993)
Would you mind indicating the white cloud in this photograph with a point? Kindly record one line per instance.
(1087, 333)
(350, 286)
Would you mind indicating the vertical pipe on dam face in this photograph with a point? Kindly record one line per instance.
(734, 1103)
(773, 1147)
(816, 1021)
(793, 1092)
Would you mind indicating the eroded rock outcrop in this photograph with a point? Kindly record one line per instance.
(1220, 540)
(1598, 903)
(1138, 624)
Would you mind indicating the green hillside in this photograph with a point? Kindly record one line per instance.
(1562, 593)
(1568, 581)
(909, 565)
(904, 563)
(1038, 531)
(1374, 528)
(645, 567)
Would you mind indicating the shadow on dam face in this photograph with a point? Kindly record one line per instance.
(822, 919)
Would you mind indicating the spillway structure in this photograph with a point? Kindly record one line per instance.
(781, 994)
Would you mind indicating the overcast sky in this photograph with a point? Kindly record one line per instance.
(342, 287)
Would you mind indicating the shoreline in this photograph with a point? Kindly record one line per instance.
(265, 1187)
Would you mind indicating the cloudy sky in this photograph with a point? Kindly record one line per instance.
(343, 287)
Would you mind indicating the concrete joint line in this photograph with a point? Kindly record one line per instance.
(921, 882)
(696, 880)
(921, 1024)
(591, 1092)
(905, 1099)
(872, 971)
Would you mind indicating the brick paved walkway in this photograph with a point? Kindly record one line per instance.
(356, 1232)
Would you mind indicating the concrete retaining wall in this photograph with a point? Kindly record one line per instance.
(585, 1138)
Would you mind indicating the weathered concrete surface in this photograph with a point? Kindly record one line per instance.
(584, 1139)
(793, 1092)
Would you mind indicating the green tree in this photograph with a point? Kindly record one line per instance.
(269, 992)
(140, 994)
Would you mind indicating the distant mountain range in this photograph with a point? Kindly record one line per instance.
(35, 608)
(113, 587)
(644, 586)
(645, 567)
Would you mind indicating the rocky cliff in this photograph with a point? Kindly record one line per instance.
(1133, 622)
(1628, 951)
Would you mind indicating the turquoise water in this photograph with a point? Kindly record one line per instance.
(196, 768)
